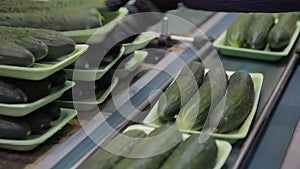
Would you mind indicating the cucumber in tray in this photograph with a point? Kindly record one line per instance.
(38, 48)
(59, 20)
(9, 6)
(280, 35)
(238, 104)
(236, 32)
(257, 34)
(13, 54)
(10, 93)
(34, 90)
(13, 128)
(194, 114)
(191, 154)
(161, 143)
(38, 122)
(103, 159)
(57, 43)
(179, 92)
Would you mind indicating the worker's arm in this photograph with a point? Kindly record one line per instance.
(244, 5)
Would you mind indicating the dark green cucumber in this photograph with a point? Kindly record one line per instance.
(9, 93)
(191, 154)
(179, 92)
(58, 44)
(236, 32)
(52, 110)
(34, 6)
(59, 20)
(193, 115)
(34, 90)
(13, 128)
(121, 146)
(156, 150)
(38, 122)
(57, 79)
(257, 35)
(13, 54)
(38, 48)
(281, 34)
(239, 102)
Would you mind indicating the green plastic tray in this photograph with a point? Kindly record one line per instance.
(131, 64)
(18, 110)
(140, 42)
(152, 118)
(33, 141)
(92, 75)
(97, 35)
(224, 148)
(42, 69)
(87, 105)
(252, 53)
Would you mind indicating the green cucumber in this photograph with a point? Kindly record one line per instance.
(164, 141)
(58, 78)
(52, 110)
(34, 90)
(239, 102)
(236, 32)
(191, 154)
(9, 93)
(103, 159)
(179, 92)
(38, 122)
(257, 34)
(281, 34)
(13, 54)
(38, 48)
(58, 44)
(59, 20)
(13, 128)
(193, 115)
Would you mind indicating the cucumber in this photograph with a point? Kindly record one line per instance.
(281, 34)
(238, 104)
(166, 140)
(191, 154)
(193, 115)
(52, 110)
(9, 93)
(59, 20)
(179, 92)
(58, 44)
(34, 6)
(257, 35)
(13, 128)
(103, 159)
(38, 122)
(13, 54)
(34, 90)
(236, 32)
(38, 48)
(57, 79)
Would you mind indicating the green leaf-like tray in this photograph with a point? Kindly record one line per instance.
(92, 74)
(97, 35)
(240, 133)
(42, 69)
(33, 141)
(18, 110)
(266, 54)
